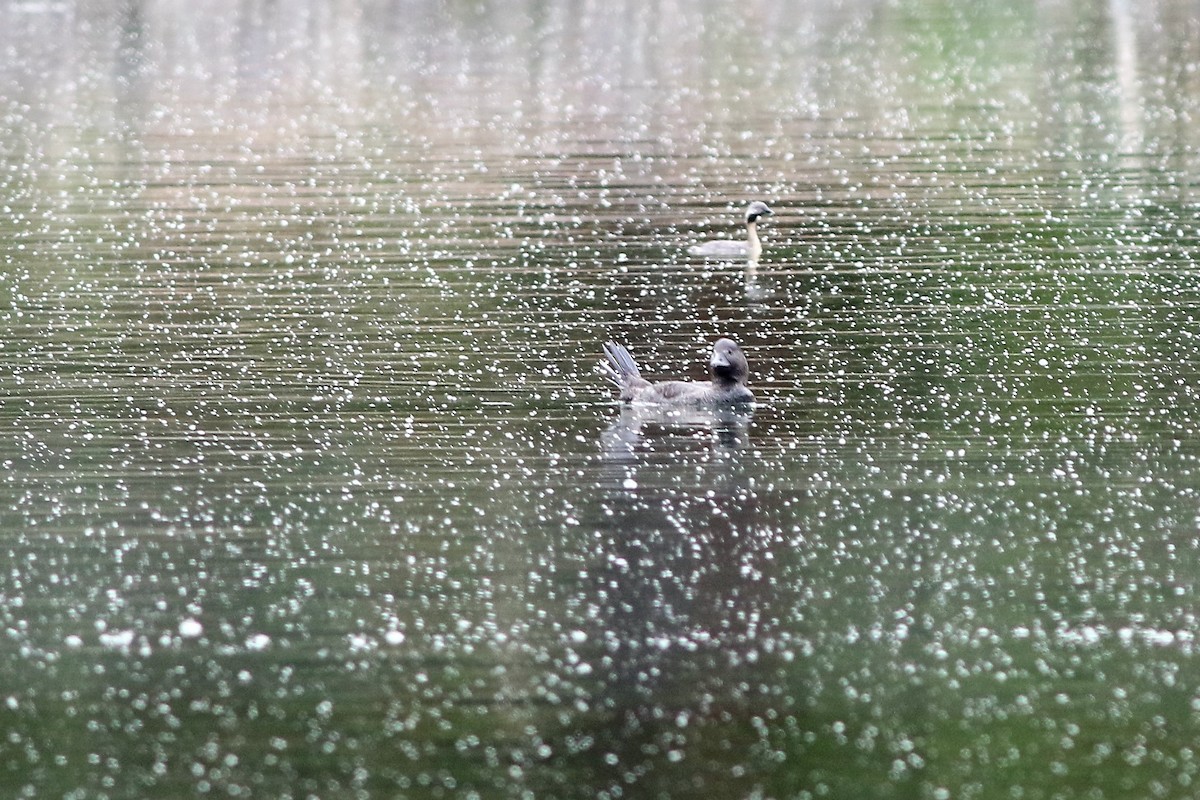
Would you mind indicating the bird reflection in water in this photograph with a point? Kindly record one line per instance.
(681, 581)
(751, 288)
(727, 428)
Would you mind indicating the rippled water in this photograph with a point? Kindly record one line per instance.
(311, 487)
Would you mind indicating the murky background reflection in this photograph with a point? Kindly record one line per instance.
(310, 487)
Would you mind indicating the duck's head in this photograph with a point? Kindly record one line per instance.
(728, 363)
(756, 210)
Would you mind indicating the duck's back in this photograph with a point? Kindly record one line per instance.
(675, 391)
(719, 248)
(693, 393)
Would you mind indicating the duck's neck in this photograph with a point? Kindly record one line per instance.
(754, 244)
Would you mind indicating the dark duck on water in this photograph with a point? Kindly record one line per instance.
(727, 366)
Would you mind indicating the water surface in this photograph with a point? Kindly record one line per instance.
(311, 487)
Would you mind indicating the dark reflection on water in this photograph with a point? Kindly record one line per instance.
(310, 486)
(724, 429)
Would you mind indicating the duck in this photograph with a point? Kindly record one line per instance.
(730, 248)
(727, 365)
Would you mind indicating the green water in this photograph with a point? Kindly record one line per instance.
(311, 487)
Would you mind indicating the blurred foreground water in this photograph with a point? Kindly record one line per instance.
(310, 487)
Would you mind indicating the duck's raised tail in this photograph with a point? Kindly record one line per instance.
(621, 369)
